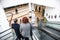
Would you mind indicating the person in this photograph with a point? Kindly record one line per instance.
(41, 23)
(16, 27)
(40, 26)
(37, 20)
(39, 9)
(25, 27)
(16, 11)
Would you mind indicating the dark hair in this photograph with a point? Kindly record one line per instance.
(25, 20)
(30, 16)
(15, 21)
(37, 19)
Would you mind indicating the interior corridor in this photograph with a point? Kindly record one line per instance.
(46, 25)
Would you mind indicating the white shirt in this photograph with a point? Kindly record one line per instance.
(25, 29)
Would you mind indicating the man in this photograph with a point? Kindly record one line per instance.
(16, 27)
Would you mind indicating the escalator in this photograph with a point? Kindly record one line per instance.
(50, 32)
(36, 35)
(7, 35)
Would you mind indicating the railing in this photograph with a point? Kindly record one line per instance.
(5, 30)
(56, 23)
(49, 33)
(35, 37)
(5, 34)
(53, 28)
(53, 25)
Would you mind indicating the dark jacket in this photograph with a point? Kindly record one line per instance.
(16, 27)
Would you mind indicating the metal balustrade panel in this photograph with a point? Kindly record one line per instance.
(7, 34)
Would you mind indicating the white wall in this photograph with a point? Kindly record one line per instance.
(55, 4)
(4, 25)
(53, 8)
(9, 3)
(3, 19)
(52, 11)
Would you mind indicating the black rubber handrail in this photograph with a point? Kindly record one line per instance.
(53, 28)
(8, 37)
(5, 35)
(53, 23)
(55, 38)
(5, 31)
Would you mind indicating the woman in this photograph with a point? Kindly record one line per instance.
(25, 28)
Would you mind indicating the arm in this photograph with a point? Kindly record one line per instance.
(10, 20)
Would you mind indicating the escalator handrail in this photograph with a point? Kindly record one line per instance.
(56, 38)
(5, 31)
(53, 28)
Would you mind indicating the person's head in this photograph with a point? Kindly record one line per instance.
(37, 19)
(25, 20)
(42, 19)
(15, 21)
(30, 17)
